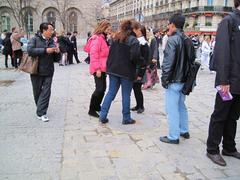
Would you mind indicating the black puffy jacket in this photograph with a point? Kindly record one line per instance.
(123, 58)
(175, 65)
(37, 48)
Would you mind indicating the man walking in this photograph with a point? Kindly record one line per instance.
(74, 42)
(174, 70)
(223, 123)
(42, 46)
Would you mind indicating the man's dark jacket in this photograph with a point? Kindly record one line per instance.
(64, 44)
(154, 51)
(227, 53)
(74, 42)
(175, 64)
(37, 48)
(123, 58)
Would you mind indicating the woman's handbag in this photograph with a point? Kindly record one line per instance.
(29, 64)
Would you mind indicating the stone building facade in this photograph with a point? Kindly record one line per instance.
(79, 15)
(201, 15)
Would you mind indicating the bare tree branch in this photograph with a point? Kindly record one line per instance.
(62, 6)
(19, 9)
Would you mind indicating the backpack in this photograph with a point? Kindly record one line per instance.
(193, 66)
(212, 65)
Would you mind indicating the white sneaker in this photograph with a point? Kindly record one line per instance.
(43, 118)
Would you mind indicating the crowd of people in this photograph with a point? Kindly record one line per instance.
(131, 55)
(131, 59)
(11, 46)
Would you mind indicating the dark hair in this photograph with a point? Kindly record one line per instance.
(125, 30)
(178, 20)
(8, 35)
(69, 34)
(89, 33)
(44, 26)
(136, 24)
(155, 31)
(75, 32)
(144, 31)
(236, 3)
(13, 29)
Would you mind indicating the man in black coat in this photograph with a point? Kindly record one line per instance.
(73, 40)
(42, 46)
(223, 123)
(154, 47)
(70, 48)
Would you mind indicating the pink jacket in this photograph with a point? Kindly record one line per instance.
(98, 50)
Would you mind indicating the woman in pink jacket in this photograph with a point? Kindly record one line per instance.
(98, 49)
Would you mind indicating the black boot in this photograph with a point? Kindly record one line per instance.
(93, 113)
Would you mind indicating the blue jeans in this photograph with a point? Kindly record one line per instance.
(176, 110)
(114, 84)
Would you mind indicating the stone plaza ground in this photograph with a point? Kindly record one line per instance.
(74, 146)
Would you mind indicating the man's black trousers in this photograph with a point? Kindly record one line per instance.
(42, 92)
(98, 94)
(223, 125)
(76, 56)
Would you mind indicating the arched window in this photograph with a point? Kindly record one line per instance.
(51, 17)
(73, 19)
(5, 22)
(29, 21)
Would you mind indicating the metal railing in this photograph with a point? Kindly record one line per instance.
(208, 8)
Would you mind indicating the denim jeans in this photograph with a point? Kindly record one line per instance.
(114, 84)
(176, 110)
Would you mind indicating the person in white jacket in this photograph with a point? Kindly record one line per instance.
(205, 53)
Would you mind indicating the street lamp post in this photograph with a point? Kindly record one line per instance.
(139, 16)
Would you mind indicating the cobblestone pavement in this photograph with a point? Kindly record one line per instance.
(75, 146)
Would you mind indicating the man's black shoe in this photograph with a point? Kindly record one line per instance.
(132, 121)
(93, 113)
(235, 154)
(104, 121)
(166, 140)
(134, 108)
(217, 159)
(185, 135)
(140, 110)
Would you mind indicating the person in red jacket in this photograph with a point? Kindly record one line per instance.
(98, 49)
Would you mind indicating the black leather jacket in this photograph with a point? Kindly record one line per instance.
(175, 66)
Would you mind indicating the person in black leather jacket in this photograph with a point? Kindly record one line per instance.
(42, 46)
(174, 74)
